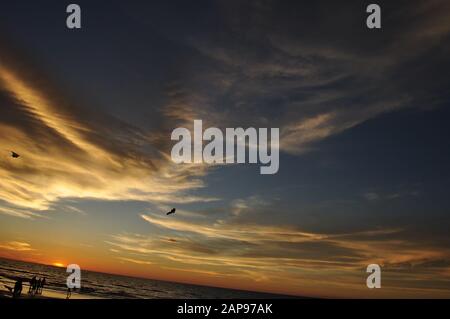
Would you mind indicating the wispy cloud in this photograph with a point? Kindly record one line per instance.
(17, 212)
(235, 247)
(69, 151)
(16, 246)
(311, 85)
(135, 261)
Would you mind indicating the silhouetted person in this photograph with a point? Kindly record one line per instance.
(171, 212)
(17, 289)
(37, 286)
(32, 288)
(41, 286)
(69, 293)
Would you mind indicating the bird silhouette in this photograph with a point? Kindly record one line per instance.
(171, 212)
(14, 155)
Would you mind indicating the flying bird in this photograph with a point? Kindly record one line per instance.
(14, 155)
(171, 212)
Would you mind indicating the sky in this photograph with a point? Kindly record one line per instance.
(364, 152)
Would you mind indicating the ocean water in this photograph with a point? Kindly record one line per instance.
(101, 285)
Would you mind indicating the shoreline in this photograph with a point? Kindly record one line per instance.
(47, 294)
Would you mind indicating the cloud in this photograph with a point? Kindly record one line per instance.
(221, 230)
(72, 209)
(374, 196)
(135, 261)
(269, 72)
(259, 68)
(17, 212)
(371, 196)
(319, 263)
(16, 246)
(70, 151)
(235, 246)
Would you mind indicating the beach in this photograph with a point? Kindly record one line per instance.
(47, 294)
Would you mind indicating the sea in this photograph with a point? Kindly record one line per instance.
(109, 286)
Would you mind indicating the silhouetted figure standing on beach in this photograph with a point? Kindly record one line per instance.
(38, 286)
(41, 285)
(69, 293)
(17, 289)
(32, 289)
(35, 286)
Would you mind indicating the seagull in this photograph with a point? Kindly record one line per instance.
(14, 155)
(171, 212)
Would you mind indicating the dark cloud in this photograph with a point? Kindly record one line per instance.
(265, 63)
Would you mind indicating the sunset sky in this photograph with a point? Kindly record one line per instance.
(364, 150)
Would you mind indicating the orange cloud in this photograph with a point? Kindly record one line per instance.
(64, 155)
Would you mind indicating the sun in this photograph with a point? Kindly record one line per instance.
(57, 264)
